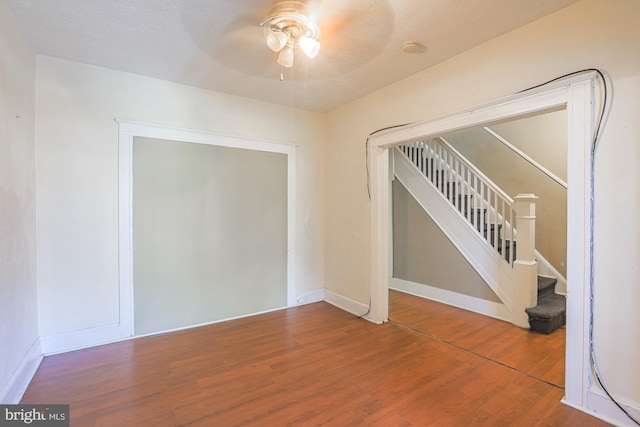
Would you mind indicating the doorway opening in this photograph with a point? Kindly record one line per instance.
(522, 156)
(574, 94)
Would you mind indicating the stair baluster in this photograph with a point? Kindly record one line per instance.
(485, 207)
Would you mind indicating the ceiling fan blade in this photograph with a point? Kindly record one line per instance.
(350, 32)
(350, 35)
(229, 33)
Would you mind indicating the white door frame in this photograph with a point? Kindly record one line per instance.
(128, 130)
(577, 95)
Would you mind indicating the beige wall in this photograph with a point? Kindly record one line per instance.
(423, 254)
(515, 175)
(18, 298)
(542, 137)
(77, 152)
(591, 33)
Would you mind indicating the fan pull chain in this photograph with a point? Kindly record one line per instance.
(290, 93)
(291, 97)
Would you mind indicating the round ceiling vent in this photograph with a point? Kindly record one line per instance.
(413, 46)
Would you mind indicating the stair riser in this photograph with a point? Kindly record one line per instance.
(547, 326)
(546, 286)
(550, 313)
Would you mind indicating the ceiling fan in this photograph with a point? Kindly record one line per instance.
(287, 28)
(267, 36)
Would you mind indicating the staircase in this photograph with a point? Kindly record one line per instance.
(492, 214)
(550, 313)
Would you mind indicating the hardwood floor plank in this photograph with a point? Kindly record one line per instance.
(309, 365)
(536, 354)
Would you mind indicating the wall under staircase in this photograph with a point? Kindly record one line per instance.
(427, 264)
(422, 252)
(489, 264)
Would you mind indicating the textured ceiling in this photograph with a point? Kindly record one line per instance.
(218, 44)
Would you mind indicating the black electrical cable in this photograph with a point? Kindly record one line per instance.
(366, 150)
(596, 138)
(368, 310)
(594, 145)
(592, 351)
(586, 70)
(475, 353)
(596, 135)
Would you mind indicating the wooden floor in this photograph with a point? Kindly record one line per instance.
(318, 365)
(538, 355)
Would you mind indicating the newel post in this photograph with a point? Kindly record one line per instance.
(525, 267)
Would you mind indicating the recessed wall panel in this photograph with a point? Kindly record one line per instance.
(209, 233)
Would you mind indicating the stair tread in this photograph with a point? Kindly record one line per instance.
(548, 307)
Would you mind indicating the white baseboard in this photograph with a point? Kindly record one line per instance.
(13, 391)
(345, 303)
(310, 297)
(85, 338)
(213, 322)
(599, 405)
(477, 305)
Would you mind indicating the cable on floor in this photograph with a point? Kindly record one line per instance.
(368, 310)
(475, 353)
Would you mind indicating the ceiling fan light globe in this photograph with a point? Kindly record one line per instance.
(286, 57)
(309, 46)
(276, 40)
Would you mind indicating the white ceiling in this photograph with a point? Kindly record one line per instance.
(218, 44)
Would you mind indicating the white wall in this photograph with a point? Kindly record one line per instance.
(18, 298)
(77, 152)
(591, 33)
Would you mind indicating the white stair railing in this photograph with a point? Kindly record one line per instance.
(485, 207)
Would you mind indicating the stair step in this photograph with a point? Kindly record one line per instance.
(479, 216)
(546, 286)
(548, 315)
(419, 161)
(490, 228)
(507, 252)
(463, 203)
(438, 177)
